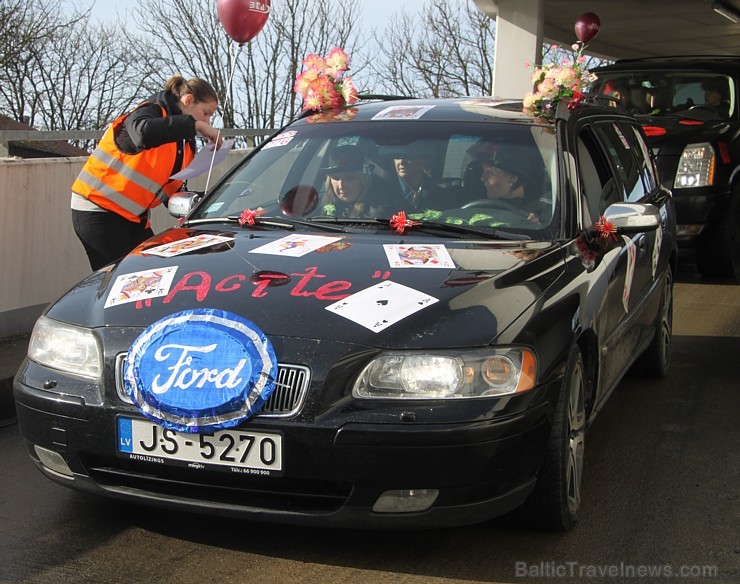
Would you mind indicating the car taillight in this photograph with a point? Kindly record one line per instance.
(654, 131)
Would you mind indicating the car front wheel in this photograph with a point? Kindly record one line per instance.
(556, 498)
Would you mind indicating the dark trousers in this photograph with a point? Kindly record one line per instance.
(107, 236)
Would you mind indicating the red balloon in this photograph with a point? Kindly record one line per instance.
(243, 19)
(587, 26)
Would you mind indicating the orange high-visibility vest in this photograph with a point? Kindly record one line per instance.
(129, 184)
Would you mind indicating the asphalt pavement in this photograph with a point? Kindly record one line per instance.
(12, 352)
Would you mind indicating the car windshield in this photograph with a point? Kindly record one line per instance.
(486, 177)
(671, 93)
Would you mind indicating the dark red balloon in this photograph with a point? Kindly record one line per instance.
(243, 19)
(587, 26)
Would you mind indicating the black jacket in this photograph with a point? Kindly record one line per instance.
(145, 127)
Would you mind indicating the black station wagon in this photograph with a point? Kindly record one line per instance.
(396, 314)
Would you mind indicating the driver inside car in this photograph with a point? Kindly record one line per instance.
(505, 177)
(715, 91)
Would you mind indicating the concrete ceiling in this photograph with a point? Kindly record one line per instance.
(642, 28)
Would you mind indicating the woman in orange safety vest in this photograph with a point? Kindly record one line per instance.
(129, 171)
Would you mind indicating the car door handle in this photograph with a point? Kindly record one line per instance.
(642, 244)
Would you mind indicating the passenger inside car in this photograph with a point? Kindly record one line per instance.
(659, 99)
(416, 189)
(350, 192)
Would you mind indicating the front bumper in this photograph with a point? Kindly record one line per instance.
(334, 470)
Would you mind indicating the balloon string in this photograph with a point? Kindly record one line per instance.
(232, 61)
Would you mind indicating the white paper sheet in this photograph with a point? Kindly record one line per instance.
(141, 286)
(418, 256)
(202, 161)
(382, 305)
(295, 245)
(182, 246)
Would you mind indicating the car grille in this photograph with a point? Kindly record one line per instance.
(285, 401)
(280, 494)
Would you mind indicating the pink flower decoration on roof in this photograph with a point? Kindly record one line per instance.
(323, 83)
(336, 62)
(553, 83)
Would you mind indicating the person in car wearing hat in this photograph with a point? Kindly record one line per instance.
(505, 175)
(348, 187)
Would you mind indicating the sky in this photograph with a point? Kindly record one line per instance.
(376, 13)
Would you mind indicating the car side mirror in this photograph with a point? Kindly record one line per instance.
(633, 217)
(182, 202)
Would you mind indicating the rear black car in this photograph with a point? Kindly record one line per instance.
(691, 116)
(421, 357)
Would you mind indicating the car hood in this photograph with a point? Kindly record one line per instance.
(466, 304)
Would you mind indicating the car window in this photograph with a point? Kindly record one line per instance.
(619, 150)
(644, 161)
(488, 176)
(599, 185)
(671, 93)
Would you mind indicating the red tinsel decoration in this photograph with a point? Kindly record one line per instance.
(248, 216)
(576, 100)
(606, 229)
(399, 222)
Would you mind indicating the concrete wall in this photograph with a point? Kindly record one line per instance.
(40, 255)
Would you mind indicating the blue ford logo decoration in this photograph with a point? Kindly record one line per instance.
(200, 370)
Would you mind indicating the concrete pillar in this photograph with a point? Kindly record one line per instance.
(519, 25)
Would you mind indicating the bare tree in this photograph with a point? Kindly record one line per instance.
(254, 80)
(188, 40)
(26, 26)
(447, 50)
(86, 79)
(69, 73)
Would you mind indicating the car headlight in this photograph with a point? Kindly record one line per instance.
(448, 374)
(695, 167)
(62, 346)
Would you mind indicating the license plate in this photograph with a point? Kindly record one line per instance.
(255, 453)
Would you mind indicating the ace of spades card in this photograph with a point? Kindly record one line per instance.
(382, 305)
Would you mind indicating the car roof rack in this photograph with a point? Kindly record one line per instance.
(680, 58)
(381, 97)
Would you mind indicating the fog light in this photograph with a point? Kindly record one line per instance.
(53, 461)
(405, 501)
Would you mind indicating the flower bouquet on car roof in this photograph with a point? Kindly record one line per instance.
(323, 84)
(564, 81)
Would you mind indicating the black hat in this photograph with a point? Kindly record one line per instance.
(507, 157)
(345, 158)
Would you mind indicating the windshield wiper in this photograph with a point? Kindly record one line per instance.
(465, 230)
(427, 226)
(279, 222)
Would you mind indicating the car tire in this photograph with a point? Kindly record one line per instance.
(719, 257)
(556, 499)
(655, 360)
